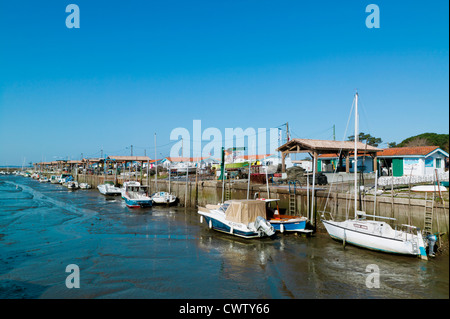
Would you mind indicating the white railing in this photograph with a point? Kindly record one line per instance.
(405, 180)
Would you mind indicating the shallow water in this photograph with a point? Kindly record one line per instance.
(166, 253)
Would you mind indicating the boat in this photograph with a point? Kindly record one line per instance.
(108, 189)
(137, 196)
(163, 198)
(282, 223)
(374, 234)
(64, 178)
(85, 186)
(429, 188)
(72, 185)
(44, 179)
(242, 218)
(125, 184)
(54, 179)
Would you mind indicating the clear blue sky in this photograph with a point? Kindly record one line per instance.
(134, 68)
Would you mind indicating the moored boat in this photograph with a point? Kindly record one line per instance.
(163, 198)
(54, 179)
(282, 222)
(137, 196)
(242, 218)
(374, 234)
(44, 179)
(108, 189)
(85, 186)
(128, 183)
(72, 185)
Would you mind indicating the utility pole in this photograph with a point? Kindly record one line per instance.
(334, 132)
(131, 150)
(288, 137)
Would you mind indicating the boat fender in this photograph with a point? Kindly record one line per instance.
(231, 230)
(281, 228)
(201, 219)
(210, 224)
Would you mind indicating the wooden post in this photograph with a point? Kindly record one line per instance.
(375, 164)
(347, 163)
(283, 164)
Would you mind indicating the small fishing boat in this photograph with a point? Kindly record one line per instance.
(137, 196)
(108, 189)
(85, 186)
(282, 223)
(242, 218)
(163, 198)
(71, 185)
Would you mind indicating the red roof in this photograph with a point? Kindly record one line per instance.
(257, 157)
(397, 151)
(401, 151)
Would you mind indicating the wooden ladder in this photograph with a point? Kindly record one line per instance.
(428, 216)
(292, 199)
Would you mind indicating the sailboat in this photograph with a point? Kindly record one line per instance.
(374, 234)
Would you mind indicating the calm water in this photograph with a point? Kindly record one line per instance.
(167, 253)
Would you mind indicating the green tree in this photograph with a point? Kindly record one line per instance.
(366, 138)
(427, 139)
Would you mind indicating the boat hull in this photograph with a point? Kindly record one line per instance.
(108, 191)
(358, 233)
(227, 228)
(291, 225)
(137, 203)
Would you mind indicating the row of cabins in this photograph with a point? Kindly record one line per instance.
(399, 161)
(391, 161)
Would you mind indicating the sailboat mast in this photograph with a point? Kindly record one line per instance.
(156, 169)
(355, 169)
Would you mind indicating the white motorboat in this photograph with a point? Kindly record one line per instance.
(64, 178)
(242, 218)
(137, 196)
(85, 186)
(108, 189)
(54, 179)
(429, 188)
(44, 179)
(374, 234)
(72, 185)
(163, 198)
(129, 183)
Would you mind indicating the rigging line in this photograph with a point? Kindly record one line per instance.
(231, 139)
(153, 147)
(364, 115)
(339, 155)
(319, 132)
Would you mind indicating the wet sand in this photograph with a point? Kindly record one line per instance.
(165, 253)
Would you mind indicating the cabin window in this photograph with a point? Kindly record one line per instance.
(438, 163)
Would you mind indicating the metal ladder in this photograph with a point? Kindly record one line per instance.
(228, 191)
(428, 216)
(292, 199)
